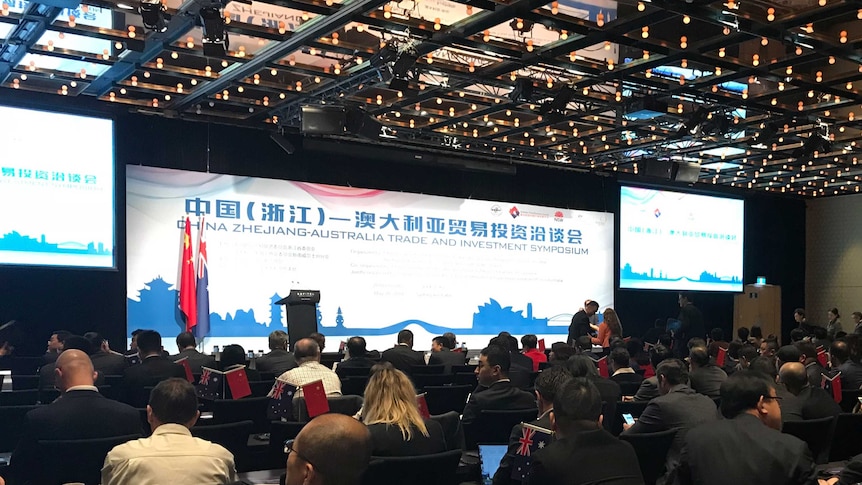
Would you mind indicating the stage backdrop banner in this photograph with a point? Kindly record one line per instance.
(383, 261)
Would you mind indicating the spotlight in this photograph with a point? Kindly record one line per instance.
(522, 91)
(153, 14)
(525, 25)
(215, 38)
(817, 141)
(694, 122)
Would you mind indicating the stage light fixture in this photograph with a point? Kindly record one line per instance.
(522, 91)
(215, 37)
(153, 15)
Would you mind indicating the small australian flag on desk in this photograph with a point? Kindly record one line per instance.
(280, 401)
(533, 438)
(211, 385)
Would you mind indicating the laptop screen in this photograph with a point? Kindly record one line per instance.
(489, 457)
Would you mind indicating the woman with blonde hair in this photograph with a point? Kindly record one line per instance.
(609, 328)
(392, 415)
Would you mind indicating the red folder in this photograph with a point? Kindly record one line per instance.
(185, 363)
(423, 406)
(315, 399)
(648, 371)
(822, 357)
(237, 381)
(835, 383)
(542, 344)
(722, 355)
(603, 367)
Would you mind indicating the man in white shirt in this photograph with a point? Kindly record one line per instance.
(171, 454)
(307, 354)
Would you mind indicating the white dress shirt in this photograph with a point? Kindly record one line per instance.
(311, 371)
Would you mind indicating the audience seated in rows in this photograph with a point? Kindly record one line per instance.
(560, 353)
(402, 356)
(811, 402)
(679, 407)
(746, 354)
(154, 368)
(530, 343)
(55, 345)
(649, 386)
(309, 369)
(705, 377)
(716, 341)
(845, 358)
(747, 446)
(186, 346)
(105, 361)
(495, 390)
(519, 361)
(171, 454)
(80, 413)
(622, 372)
(357, 355)
(548, 385)
(391, 413)
(332, 449)
(278, 360)
(70, 342)
(766, 368)
(441, 354)
(582, 452)
(808, 356)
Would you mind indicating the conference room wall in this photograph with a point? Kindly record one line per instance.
(79, 301)
(833, 258)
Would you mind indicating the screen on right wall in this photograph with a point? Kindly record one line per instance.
(679, 241)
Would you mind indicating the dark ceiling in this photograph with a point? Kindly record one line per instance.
(750, 94)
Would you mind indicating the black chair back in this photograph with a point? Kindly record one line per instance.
(354, 386)
(26, 397)
(464, 369)
(629, 388)
(465, 379)
(279, 432)
(233, 436)
(13, 421)
(849, 399)
(635, 408)
(520, 379)
(452, 429)
(347, 405)
(847, 441)
(353, 371)
(442, 399)
(267, 376)
(145, 423)
(235, 410)
(260, 388)
(427, 369)
(494, 426)
(24, 365)
(437, 469)
(22, 382)
(421, 381)
(81, 460)
(651, 449)
(816, 432)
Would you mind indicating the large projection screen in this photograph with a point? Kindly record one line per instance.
(383, 261)
(56, 190)
(679, 241)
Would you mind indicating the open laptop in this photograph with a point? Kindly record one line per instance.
(489, 459)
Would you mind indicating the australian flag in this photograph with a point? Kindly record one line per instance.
(202, 329)
(533, 438)
(211, 385)
(280, 401)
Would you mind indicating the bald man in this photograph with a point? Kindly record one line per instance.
(332, 449)
(307, 354)
(80, 413)
(811, 402)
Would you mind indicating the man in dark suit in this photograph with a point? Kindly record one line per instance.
(847, 361)
(154, 368)
(358, 353)
(813, 402)
(46, 372)
(581, 321)
(808, 354)
(186, 345)
(705, 377)
(584, 346)
(690, 323)
(582, 452)
(402, 356)
(80, 413)
(548, 384)
(648, 389)
(495, 390)
(519, 361)
(440, 354)
(678, 407)
(583, 366)
(747, 446)
(622, 372)
(105, 362)
(55, 345)
(278, 360)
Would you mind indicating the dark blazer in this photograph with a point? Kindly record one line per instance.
(387, 440)
(46, 377)
(707, 380)
(610, 392)
(402, 357)
(648, 389)
(447, 358)
(148, 373)
(197, 360)
(592, 456)
(109, 363)
(356, 363)
(680, 408)
(691, 325)
(503, 475)
(851, 375)
(520, 362)
(580, 326)
(628, 378)
(501, 395)
(276, 361)
(814, 371)
(744, 450)
(80, 414)
(810, 403)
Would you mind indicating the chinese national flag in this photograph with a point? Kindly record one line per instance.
(237, 382)
(188, 300)
(541, 345)
(833, 385)
(822, 357)
(423, 406)
(722, 355)
(648, 371)
(603, 367)
(315, 399)
(185, 363)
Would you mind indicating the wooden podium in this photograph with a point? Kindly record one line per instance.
(758, 305)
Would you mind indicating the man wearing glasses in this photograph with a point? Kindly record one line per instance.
(332, 449)
(748, 446)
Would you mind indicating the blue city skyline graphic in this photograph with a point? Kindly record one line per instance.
(15, 241)
(628, 274)
(157, 309)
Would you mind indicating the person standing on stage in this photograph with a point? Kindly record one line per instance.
(581, 324)
(690, 325)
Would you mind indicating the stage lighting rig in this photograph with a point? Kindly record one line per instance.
(398, 59)
(153, 15)
(817, 142)
(215, 37)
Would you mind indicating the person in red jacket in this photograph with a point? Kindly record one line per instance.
(530, 343)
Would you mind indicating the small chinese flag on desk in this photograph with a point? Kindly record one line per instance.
(237, 381)
(315, 399)
(832, 385)
(423, 406)
(603, 367)
(822, 358)
(541, 345)
(720, 358)
(185, 363)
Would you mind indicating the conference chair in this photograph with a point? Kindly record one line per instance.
(146, 431)
(651, 449)
(465, 379)
(233, 436)
(237, 410)
(421, 381)
(436, 469)
(279, 432)
(19, 398)
(629, 388)
(520, 379)
(347, 405)
(81, 460)
(354, 385)
(849, 399)
(464, 369)
(427, 369)
(24, 365)
(494, 426)
(22, 382)
(847, 440)
(353, 371)
(635, 408)
(13, 421)
(260, 388)
(816, 432)
(453, 432)
(267, 376)
(442, 399)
